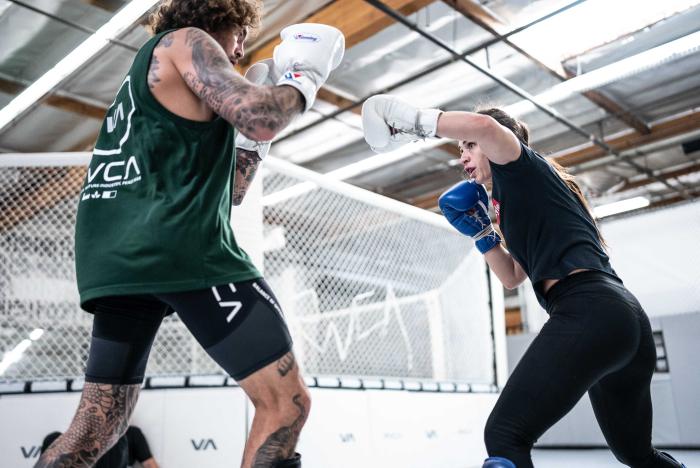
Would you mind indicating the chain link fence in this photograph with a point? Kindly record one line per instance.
(370, 287)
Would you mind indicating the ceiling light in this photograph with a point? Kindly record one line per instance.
(620, 206)
(593, 23)
(123, 19)
(644, 61)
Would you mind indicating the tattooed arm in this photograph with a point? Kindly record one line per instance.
(259, 112)
(247, 163)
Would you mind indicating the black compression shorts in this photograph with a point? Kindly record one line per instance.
(240, 325)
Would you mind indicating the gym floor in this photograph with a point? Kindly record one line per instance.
(598, 458)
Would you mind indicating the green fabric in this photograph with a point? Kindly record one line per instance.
(154, 211)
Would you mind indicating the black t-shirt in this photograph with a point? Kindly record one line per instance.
(138, 447)
(546, 228)
(116, 457)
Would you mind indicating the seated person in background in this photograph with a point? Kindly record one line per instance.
(116, 457)
(139, 451)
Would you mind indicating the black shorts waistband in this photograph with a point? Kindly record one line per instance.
(567, 284)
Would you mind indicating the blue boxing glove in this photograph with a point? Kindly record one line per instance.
(465, 206)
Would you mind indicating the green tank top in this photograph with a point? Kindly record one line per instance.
(154, 211)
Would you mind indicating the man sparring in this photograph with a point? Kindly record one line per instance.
(180, 143)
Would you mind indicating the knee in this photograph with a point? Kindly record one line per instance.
(495, 437)
(293, 402)
(503, 439)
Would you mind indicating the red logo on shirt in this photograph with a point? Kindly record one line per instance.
(497, 209)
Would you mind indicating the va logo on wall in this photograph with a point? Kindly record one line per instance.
(203, 444)
(117, 122)
(30, 452)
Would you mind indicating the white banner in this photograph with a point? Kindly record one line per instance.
(207, 427)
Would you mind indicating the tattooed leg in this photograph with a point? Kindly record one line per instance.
(102, 417)
(286, 364)
(282, 405)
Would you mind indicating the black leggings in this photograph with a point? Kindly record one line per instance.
(597, 340)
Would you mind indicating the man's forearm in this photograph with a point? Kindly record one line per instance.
(247, 163)
(260, 112)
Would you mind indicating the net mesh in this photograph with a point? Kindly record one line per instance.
(367, 291)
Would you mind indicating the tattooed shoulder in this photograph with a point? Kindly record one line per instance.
(153, 72)
(166, 41)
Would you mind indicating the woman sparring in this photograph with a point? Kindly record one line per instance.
(598, 338)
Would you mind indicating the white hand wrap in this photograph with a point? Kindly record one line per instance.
(390, 122)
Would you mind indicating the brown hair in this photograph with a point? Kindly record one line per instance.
(212, 16)
(523, 133)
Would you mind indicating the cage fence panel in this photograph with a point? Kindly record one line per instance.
(368, 287)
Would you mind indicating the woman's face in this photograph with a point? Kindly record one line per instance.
(475, 163)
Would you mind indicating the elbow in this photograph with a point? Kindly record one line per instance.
(486, 127)
(513, 282)
(258, 133)
(265, 134)
(237, 198)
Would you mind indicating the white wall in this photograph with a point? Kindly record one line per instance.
(657, 255)
(206, 427)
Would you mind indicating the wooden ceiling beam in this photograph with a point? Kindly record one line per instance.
(629, 185)
(107, 5)
(64, 103)
(47, 195)
(630, 140)
(672, 200)
(427, 201)
(34, 200)
(357, 20)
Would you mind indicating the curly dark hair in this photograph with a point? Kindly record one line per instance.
(212, 16)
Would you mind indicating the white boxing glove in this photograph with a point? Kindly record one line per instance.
(261, 73)
(389, 122)
(306, 56)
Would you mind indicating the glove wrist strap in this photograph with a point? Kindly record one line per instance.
(304, 84)
(484, 232)
(487, 239)
(426, 122)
